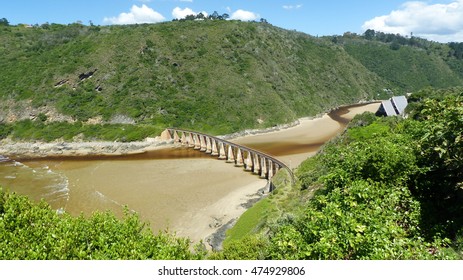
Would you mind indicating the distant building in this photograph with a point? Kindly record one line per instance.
(395, 106)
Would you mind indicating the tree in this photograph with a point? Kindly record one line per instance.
(369, 34)
(200, 16)
(215, 15)
(4, 22)
(440, 151)
(395, 46)
(190, 17)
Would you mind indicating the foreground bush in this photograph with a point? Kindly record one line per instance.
(35, 231)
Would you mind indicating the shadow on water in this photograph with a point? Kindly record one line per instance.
(284, 148)
(180, 152)
(337, 114)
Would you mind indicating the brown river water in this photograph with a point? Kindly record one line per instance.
(183, 190)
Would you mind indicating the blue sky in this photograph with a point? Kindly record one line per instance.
(439, 20)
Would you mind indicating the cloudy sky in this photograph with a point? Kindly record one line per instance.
(438, 20)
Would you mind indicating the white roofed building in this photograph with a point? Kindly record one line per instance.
(395, 106)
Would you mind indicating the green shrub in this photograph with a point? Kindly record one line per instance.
(35, 231)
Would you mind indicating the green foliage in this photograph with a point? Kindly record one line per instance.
(406, 68)
(381, 159)
(248, 221)
(251, 247)
(440, 154)
(51, 131)
(34, 231)
(363, 220)
(363, 119)
(442, 142)
(5, 130)
(373, 130)
(309, 172)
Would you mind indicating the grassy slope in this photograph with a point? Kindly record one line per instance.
(408, 69)
(215, 76)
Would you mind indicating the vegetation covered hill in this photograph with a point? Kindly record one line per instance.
(215, 76)
(408, 64)
(218, 76)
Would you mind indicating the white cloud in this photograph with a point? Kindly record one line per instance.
(292, 7)
(143, 14)
(182, 13)
(191, 1)
(179, 13)
(438, 22)
(244, 15)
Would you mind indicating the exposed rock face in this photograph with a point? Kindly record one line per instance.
(121, 119)
(84, 76)
(12, 111)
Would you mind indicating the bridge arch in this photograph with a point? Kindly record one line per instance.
(251, 160)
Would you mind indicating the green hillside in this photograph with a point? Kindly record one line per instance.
(215, 76)
(407, 63)
(407, 68)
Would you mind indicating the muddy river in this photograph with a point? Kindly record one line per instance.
(183, 190)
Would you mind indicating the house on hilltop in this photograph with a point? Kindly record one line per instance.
(395, 106)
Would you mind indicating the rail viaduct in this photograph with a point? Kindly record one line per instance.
(254, 161)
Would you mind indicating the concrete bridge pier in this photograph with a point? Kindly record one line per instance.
(270, 172)
(222, 154)
(197, 142)
(256, 163)
(202, 143)
(248, 162)
(264, 168)
(214, 149)
(190, 141)
(208, 145)
(183, 139)
(230, 154)
(176, 137)
(239, 158)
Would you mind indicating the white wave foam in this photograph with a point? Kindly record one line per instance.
(104, 197)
